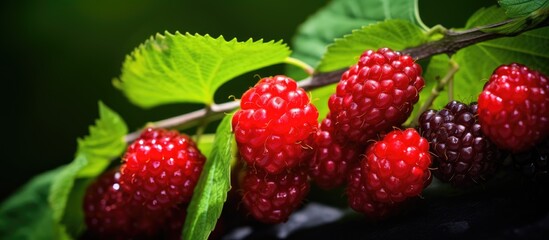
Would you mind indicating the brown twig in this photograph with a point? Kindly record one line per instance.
(449, 44)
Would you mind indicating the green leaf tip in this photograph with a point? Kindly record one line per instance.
(95, 152)
(189, 68)
(340, 17)
(211, 190)
(521, 8)
(396, 34)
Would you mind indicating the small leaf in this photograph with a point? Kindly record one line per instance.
(211, 190)
(95, 152)
(395, 34)
(26, 214)
(520, 8)
(189, 68)
(104, 142)
(340, 17)
(477, 62)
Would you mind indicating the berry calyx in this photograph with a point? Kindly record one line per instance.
(513, 108)
(271, 198)
(462, 155)
(275, 125)
(160, 169)
(374, 95)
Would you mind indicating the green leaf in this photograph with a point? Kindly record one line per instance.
(189, 68)
(320, 97)
(396, 34)
(211, 190)
(520, 8)
(26, 214)
(477, 62)
(340, 17)
(205, 144)
(95, 152)
(438, 67)
(104, 142)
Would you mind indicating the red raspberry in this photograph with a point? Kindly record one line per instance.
(161, 169)
(513, 108)
(375, 94)
(274, 127)
(272, 198)
(332, 160)
(361, 200)
(396, 167)
(462, 154)
(107, 214)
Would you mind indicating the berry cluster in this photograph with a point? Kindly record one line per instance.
(359, 145)
(278, 136)
(274, 130)
(372, 98)
(147, 197)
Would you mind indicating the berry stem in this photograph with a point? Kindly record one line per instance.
(451, 88)
(437, 89)
(300, 64)
(187, 120)
(450, 43)
(437, 29)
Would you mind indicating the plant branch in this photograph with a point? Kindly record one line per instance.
(454, 67)
(449, 44)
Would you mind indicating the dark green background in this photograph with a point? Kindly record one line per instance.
(59, 57)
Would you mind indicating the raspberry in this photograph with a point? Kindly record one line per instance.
(375, 94)
(462, 154)
(534, 164)
(514, 107)
(161, 169)
(360, 199)
(275, 125)
(332, 160)
(396, 167)
(272, 198)
(108, 216)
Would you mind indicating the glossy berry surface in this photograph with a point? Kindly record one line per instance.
(360, 197)
(513, 108)
(332, 160)
(107, 214)
(271, 198)
(160, 169)
(461, 153)
(397, 167)
(275, 125)
(374, 95)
